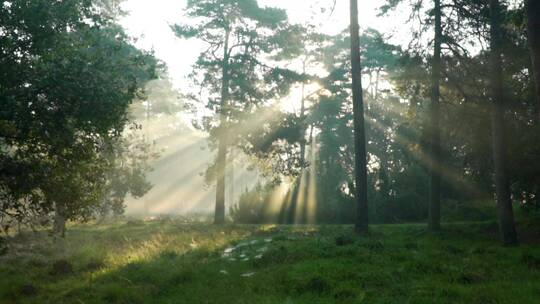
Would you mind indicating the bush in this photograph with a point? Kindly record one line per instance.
(3, 246)
(253, 206)
(407, 201)
(480, 210)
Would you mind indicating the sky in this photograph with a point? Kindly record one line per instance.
(149, 20)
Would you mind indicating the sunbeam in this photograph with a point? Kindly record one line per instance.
(449, 174)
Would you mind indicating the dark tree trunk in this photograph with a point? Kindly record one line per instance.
(59, 226)
(221, 161)
(360, 163)
(434, 222)
(413, 106)
(502, 187)
(533, 32)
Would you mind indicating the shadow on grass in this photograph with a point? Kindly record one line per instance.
(228, 273)
(294, 264)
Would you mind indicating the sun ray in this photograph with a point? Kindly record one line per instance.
(447, 173)
(312, 187)
(276, 200)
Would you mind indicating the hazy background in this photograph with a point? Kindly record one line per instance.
(179, 186)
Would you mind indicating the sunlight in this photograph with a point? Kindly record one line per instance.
(311, 206)
(306, 200)
(293, 102)
(301, 204)
(150, 23)
(176, 173)
(278, 198)
(226, 151)
(447, 173)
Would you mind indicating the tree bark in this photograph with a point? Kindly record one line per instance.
(413, 105)
(230, 177)
(360, 164)
(300, 186)
(303, 121)
(502, 187)
(221, 161)
(59, 226)
(434, 222)
(533, 33)
(377, 78)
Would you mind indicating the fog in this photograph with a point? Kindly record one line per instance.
(183, 156)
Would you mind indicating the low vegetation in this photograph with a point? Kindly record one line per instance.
(175, 261)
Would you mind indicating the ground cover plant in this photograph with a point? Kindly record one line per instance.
(171, 261)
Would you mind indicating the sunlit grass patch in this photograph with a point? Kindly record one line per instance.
(176, 262)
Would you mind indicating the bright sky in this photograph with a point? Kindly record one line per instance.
(149, 20)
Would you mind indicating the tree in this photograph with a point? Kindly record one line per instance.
(70, 75)
(435, 167)
(306, 52)
(393, 185)
(532, 8)
(127, 166)
(360, 156)
(463, 21)
(502, 186)
(231, 72)
(332, 118)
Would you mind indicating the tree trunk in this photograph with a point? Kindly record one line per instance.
(59, 226)
(231, 159)
(434, 222)
(221, 161)
(303, 121)
(370, 85)
(533, 33)
(146, 129)
(360, 164)
(377, 78)
(299, 187)
(502, 187)
(414, 102)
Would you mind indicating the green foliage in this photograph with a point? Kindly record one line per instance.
(127, 165)
(69, 75)
(480, 210)
(237, 82)
(254, 206)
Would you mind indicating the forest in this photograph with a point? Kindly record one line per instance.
(270, 151)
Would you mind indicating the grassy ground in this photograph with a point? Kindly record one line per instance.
(172, 262)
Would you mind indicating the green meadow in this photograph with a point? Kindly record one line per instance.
(173, 261)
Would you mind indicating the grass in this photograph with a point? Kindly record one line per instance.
(168, 261)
